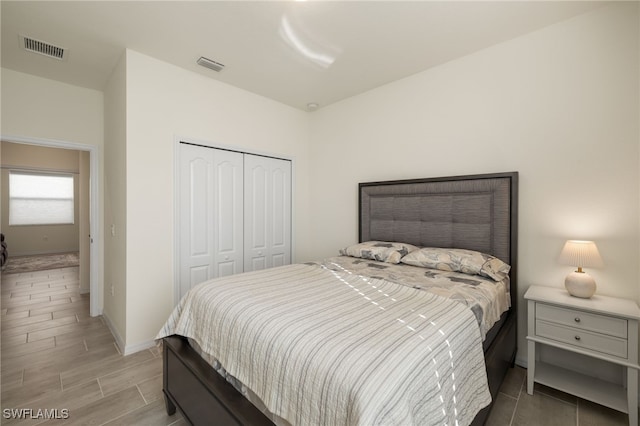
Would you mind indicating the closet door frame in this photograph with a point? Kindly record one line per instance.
(176, 197)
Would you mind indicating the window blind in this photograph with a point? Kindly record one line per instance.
(40, 199)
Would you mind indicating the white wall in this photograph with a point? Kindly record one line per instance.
(39, 108)
(165, 102)
(559, 105)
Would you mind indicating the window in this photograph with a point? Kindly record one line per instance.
(40, 199)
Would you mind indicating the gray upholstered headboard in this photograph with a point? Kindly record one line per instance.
(477, 212)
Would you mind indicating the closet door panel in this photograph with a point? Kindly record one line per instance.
(196, 208)
(256, 207)
(197, 275)
(228, 217)
(199, 207)
(267, 212)
(280, 248)
(255, 213)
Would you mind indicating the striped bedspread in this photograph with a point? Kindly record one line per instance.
(328, 347)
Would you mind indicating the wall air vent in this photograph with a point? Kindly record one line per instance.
(208, 63)
(36, 46)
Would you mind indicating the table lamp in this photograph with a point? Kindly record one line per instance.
(581, 254)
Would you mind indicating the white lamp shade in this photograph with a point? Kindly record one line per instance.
(581, 254)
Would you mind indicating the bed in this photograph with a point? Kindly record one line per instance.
(476, 213)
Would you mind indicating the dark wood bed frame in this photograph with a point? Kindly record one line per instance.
(204, 397)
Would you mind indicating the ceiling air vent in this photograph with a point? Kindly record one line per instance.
(208, 63)
(46, 49)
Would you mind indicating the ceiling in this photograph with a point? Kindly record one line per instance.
(293, 52)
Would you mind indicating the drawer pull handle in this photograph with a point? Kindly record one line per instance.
(577, 337)
(577, 319)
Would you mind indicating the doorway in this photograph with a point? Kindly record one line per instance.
(89, 229)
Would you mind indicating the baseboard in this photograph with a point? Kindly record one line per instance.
(114, 332)
(122, 347)
(130, 349)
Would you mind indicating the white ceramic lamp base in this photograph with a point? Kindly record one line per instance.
(580, 284)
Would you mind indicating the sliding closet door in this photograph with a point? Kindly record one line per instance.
(267, 212)
(211, 221)
(234, 213)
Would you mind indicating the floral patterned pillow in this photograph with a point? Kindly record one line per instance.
(458, 260)
(379, 250)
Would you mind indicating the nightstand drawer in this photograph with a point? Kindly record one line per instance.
(582, 339)
(583, 320)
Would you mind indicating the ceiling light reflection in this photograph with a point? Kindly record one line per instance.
(316, 54)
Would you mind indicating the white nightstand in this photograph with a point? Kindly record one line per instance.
(601, 327)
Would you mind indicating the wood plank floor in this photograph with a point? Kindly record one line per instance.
(56, 357)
